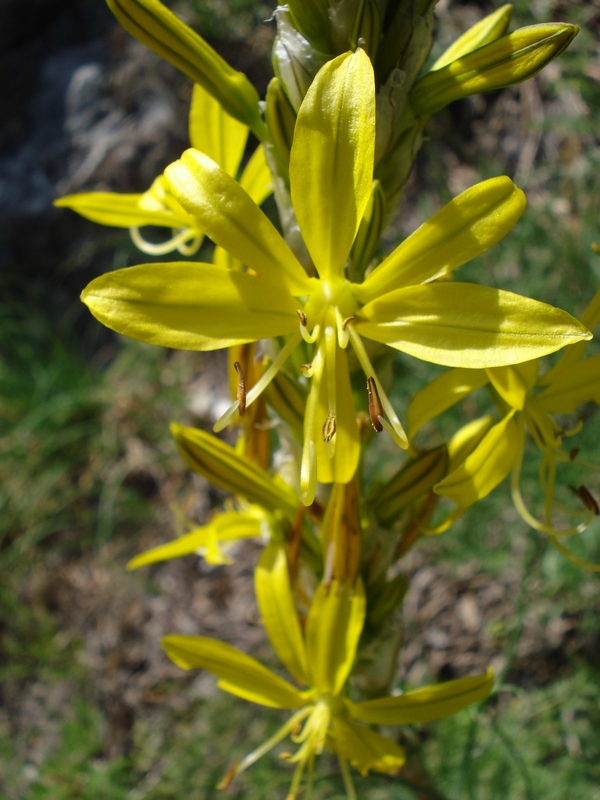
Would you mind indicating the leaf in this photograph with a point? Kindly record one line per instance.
(465, 325)
(278, 611)
(425, 705)
(331, 162)
(238, 673)
(189, 305)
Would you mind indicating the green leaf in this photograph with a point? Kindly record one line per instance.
(425, 705)
(331, 163)
(238, 673)
(278, 611)
(162, 31)
(465, 325)
(333, 628)
(189, 305)
(226, 213)
(222, 466)
(463, 229)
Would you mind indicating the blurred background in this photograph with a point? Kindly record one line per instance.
(90, 708)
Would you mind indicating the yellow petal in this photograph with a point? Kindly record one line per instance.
(464, 325)
(514, 383)
(569, 390)
(162, 31)
(510, 59)
(483, 32)
(256, 179)
(333, 628)
(463, 229)
(214, 132)
(238, 673)
(331, 163)
(486, 466)
(466, 439)
(278, 610)
(222, 527)
(366, 749)
(425, 705)
(225, 212)
(121, 210)
(441, 394)
(190, 306)
(221, 465)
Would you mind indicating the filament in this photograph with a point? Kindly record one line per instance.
(176, 242)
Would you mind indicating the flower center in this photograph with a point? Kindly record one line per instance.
(335, 293)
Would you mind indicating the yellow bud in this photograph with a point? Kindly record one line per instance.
(281, 119)
(485, 31)
(509, 60)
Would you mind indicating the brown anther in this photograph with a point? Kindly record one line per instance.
(347, 322)
(302, 318)
(305, 368)
(329, 427)
(375, 407)
(241, 389)
(574, 453)
(586, 498)
(285, 756)
(229, 776)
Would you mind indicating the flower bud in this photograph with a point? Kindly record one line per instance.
(311, 17)
(485, 31)
(369, 233)
(295, 62)
(367, 28)
(507, 61)
(162, 31)
(281, 120)
(222, 466)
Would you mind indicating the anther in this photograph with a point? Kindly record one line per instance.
(306, 370)
(241, 389)
(574, 453)
(375, 407)
(586, 498)
(302, 318)
(229, 776)
(329, 427)
(347, 322)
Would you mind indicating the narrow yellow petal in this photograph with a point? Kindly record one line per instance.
(190, 306)
(225, 212)
(278, 611)
(333, 628)
(366, 749)
(214, 132)
(331, 163)
(466, 439)
(569, 390)
(256, 179)
(425, 705)
(463, 229)
(465, 325)
(486, 466)
(238, 673)
(441, 394)
(121, 210)
(514, 383)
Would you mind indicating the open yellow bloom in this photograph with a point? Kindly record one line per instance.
(320, 658)
(211, 131)
(204, 307)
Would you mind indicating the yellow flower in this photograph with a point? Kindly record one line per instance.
(203, 307)
(211, 131)
(321, 659)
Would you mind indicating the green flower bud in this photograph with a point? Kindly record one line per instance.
(311, 17)
(281, 119)
(507, 61)
(367, 28)
(294, 60)
(288, 400)
(162, 31)
(485, 31)
(369, 233)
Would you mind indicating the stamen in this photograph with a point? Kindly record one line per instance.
(342, 324)
(308, 473)
(347, 778)
(395, 429)
(586, 498)
(262, 383)
(329, 427)
(309, 338)
(292, 723)
(375, 407)
(308, 468)
(302, 318)
(573, 453)
(229, 776)
(241, 389)
(306, 370)
(162, 248)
